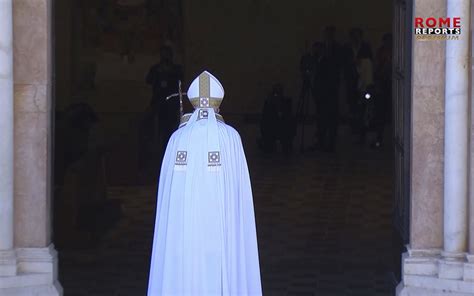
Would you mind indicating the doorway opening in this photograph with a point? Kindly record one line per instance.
(329, 221)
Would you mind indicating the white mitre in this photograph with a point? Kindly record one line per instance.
(206, 91)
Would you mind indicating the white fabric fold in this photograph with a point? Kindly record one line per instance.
(205, 239)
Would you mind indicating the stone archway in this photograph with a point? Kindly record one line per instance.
(28, 261)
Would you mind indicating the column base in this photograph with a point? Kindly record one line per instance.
(36, 274)
(429, 272)
(469, 269)
(451, 266)
(8, 263)
(48, 290)
(412, 291)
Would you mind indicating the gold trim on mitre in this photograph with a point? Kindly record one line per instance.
(206, 102)
(185, 118)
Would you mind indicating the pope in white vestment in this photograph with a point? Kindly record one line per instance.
(205, 240)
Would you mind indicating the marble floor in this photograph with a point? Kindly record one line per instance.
(323, 223)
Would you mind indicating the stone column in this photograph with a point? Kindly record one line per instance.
(456, 145)
(33, 74)
(434, 263)
(36, 258)
(427, 103)
(7, 254)
(469, 267)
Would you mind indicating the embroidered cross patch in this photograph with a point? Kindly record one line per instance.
(181, 157)
(203, 102)
(214, 158)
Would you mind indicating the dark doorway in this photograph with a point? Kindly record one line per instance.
(329, 221)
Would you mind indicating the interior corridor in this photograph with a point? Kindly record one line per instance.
(323, 223)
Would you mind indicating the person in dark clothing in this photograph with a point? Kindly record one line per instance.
(278, 122)
(326, 79)
(81, 177)
(383, 85)
(164, 78)
(366, 96)
(333, 53)
(354, 51)
(306, 69)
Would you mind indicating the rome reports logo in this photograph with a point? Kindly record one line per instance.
(431, 28)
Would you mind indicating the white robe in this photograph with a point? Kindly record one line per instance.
(205, 240)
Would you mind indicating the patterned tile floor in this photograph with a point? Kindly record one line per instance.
(323, 227)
